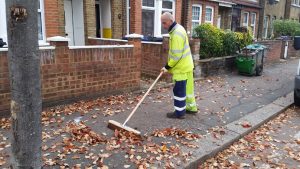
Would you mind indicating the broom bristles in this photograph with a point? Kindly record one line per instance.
(116, 125)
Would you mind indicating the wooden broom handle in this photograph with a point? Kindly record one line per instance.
(133, 111)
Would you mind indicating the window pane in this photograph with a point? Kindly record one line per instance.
(245, 18)
(208, 14)
(194, 25)
(195, 13)
(40, 29)
(253, 18)
(147, 22)
(148, 3)
(167, 4)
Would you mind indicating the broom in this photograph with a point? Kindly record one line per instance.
(116, 125)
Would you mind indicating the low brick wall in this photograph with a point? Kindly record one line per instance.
(105, 41)
(274, 51)
(4, 82)
(213, 66)
(153, 58)
(292, 52)
(74, 73)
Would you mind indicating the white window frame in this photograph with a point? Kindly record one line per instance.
(212, 14)
(245, 24)
(157, 14)
(253, 24)
(200, 16)
(158, 33)
(41, 9)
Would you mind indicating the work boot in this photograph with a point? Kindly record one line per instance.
(191, 112)
(174, 116)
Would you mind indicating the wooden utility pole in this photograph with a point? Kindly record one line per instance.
(25, 83)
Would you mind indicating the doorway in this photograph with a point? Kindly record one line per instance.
(74, 25)
(103, 18)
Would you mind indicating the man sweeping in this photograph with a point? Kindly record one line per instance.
(180, 65)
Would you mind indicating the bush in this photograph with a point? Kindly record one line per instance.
(216, 43)
(286, 28)
(243, 39)
(230, 44)
(211, 40)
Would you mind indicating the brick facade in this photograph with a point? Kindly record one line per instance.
(188, 12)
(89, 19)
(178, 11)
(54, 18)
(251, 10)
(135, 17)
(117, 16)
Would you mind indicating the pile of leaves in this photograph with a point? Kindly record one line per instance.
(84, 134)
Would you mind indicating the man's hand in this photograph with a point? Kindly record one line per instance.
(164, 70)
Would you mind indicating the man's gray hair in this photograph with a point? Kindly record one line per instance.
(168, 15)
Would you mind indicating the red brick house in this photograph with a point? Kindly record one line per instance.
(246, 14)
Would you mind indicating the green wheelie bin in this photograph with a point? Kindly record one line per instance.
(250, 61)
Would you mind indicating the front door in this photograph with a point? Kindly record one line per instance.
(74, 25)
(235, 22)
(69, 21)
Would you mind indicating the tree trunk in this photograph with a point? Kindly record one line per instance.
(24, 71)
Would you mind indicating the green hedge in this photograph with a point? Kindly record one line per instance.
(286, 28)
(216, 42)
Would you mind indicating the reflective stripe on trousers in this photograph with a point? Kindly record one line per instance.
(179, 92)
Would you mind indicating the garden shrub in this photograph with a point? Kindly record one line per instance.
(217, 43)
(286, 28)
(211, 40)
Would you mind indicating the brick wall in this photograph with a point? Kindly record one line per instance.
(292, 52)
(89, 19)
(135, 17)
(275, 50)
(153, 58)
(178, 11)
(4, 82)
(54, 18)
(70, 74)
(117, 18)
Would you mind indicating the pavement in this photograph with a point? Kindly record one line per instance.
(230, 106)
(276, 144)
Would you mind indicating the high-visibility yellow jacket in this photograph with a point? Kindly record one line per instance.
(180, 59)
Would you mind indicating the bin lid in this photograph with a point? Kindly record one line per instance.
(256, 46)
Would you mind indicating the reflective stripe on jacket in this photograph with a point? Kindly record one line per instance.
(179, 58)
